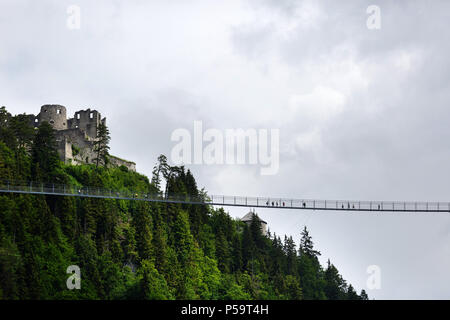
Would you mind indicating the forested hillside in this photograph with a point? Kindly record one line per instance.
(137, 249)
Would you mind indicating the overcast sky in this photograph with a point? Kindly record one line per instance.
(363, 114)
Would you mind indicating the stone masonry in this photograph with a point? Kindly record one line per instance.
(75, 136)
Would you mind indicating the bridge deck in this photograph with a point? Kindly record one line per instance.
(253, 202)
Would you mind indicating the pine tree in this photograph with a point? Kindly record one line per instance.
(44, 154)
(351, 294)
(248, 248)
(159, 169)
(363, 295)
(310, 269)
(7, 163)
(159, 242)
(22, 130)
(291, 256)
(335, 287)
(162, 168)
(222, 252)
(101, 145)
(237, 254)
(154, 286)
(294, 290)
(6, 132)
(256, 232)
(143, 226)
(307, 245)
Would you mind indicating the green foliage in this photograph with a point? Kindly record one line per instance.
(75, 150)
(101, 145)
(7, 163)
(335, 287)
(44, 154)
(138, 250)
(6, 131)
(154, 286)
(363, 295)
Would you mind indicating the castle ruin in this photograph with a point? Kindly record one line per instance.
(75, 136)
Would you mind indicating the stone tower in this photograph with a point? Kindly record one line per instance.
(54, 114)
(88, 121)
(247, 219)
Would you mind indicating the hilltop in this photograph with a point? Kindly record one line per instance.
(138, 249)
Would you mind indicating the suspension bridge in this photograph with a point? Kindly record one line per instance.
(222, 200)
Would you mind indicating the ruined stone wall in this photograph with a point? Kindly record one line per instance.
(117, 162)
(82, 147)
(88, 121)
(33, 120)
(75, 136)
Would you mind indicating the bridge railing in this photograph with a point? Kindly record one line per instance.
(346, 205)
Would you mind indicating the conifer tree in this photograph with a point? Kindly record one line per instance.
(159, 169)
(335, 286)
(363, 295)
(237, 254)
(143, 226)
(307, 245)
(351, 294)
(22, 130)
(222, 252)
(291, 255)
(44, 154)
(6, 132)
(154, 286)
(101, 145)
(309, 269)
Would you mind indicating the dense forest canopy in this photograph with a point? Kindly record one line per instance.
(137, 249)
